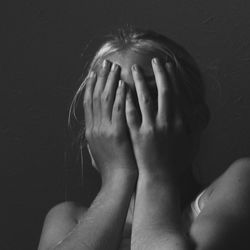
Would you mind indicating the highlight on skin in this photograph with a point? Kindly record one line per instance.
(145, 42)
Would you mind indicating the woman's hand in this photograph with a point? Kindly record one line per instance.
(106, 129)
(160, 142)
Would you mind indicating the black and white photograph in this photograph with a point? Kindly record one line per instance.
(125, 125)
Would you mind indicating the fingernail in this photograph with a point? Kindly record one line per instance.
(155, 60)
(104, 63)
(114, 67)
(92, 74)
(121, 83)
(134, 67)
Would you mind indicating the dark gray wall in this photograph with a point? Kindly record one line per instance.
(41, 61)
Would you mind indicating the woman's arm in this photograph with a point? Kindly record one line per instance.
(104, 109)
(224, 221)
(101, 226)
(162, 147)
(157, 215)
(107, 135)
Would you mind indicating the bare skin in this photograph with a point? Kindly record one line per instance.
(63, 220)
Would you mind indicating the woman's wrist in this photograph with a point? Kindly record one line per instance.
(160, 183)
(119, 178)
(159, 174)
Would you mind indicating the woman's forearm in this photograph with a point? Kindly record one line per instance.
(102, 224)
(157, 215)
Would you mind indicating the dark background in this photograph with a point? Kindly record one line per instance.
(45, 47)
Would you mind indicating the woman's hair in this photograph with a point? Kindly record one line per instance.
(148, 41)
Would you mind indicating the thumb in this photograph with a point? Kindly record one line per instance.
(132, 115)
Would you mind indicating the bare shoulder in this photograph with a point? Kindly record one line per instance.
(231, 180)
(238, 168)
(59, 221)
(224, 221)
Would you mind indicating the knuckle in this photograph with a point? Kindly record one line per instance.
(102, 73)
(105, 97)
(119, 95)
(95, 132)
(132, 113)
(148, 130)
(163, 127)
(88, 134)
(117, 133)
(112, 74)
(96, 97)
(146, 98)
(86, 101)
(88, 83)
(118, 107)
(103, 132)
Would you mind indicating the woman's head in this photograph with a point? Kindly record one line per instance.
(135, 46)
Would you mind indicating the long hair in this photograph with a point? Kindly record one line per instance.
(145, 41)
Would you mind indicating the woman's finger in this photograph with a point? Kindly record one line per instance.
(87, 100)
(143, 95)
(132, 116)
(164, 87)
(100, 84)
(118, 114)
(109, 92)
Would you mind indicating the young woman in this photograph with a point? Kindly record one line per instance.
(144, 111)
